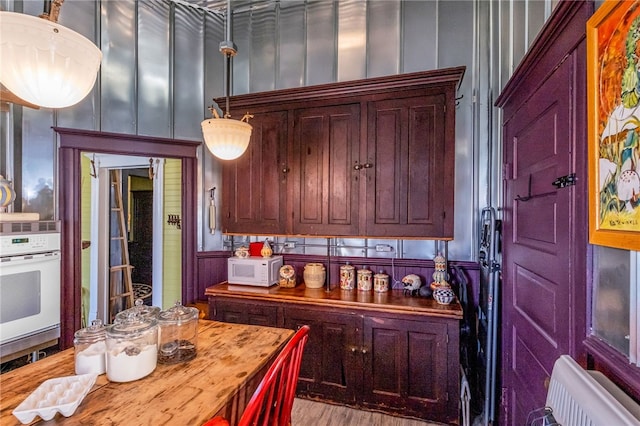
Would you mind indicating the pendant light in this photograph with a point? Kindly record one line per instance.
(225, 137)
(43, 62)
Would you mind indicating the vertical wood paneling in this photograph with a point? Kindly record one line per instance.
(172, 236)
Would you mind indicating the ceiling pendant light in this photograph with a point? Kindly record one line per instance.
(225, 137)
(43, 62)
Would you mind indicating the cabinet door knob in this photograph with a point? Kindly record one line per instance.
(357, 167)
(354, 349)
(365, 350)
(368, 165)
(285, 170)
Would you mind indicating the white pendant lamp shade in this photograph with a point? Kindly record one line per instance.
(226, 138)
(44, 62)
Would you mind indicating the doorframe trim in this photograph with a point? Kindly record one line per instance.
(71, 144)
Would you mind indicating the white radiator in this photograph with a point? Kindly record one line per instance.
(580, 397)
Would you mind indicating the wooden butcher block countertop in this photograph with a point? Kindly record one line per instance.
(393, 301)
(231, 360)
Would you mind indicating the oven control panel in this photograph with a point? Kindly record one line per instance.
(19, 244)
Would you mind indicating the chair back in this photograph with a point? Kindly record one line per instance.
(272, 401)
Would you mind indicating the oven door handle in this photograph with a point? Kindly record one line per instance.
(29, 258)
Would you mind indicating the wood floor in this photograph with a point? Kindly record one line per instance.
(306, 413)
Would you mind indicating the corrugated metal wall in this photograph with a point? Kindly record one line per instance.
(161, 68)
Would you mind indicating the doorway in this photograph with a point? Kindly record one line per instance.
(142, 189)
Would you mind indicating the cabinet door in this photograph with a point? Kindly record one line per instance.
(254, 186)
(331, 367)
(244, 312)
(408, 163)
(406, 367)
(325, 150)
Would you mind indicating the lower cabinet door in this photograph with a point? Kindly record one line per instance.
(405, 367)
(331, 364)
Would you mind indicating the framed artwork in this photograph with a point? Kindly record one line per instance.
(613, 84)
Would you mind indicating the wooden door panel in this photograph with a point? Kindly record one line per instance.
(325, 149)
(254, 192)
(406, 148)
(406, 364)
(536, 245)
(329, 368)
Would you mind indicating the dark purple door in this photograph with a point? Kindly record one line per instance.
(537, 322)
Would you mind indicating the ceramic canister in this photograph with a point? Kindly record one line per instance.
(347, 277)
(364, 279)
(381, 282)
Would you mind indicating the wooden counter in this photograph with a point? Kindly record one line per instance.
(388, 351)
(394, 301)
(230, 362)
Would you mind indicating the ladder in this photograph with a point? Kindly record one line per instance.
(120, 285)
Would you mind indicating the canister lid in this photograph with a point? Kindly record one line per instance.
(93, 333)
(132, 325)
(178, 314)
(141, 309)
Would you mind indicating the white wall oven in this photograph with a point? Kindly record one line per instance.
(29, 286)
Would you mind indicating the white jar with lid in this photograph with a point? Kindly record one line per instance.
(380, 282)
(177, 334)
(132, 348)
(90, 348)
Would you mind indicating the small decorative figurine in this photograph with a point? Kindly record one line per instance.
(266, 249)
(242, 252)
(287, 276)
(412, 284)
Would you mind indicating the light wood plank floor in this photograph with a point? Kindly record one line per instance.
(308, 413)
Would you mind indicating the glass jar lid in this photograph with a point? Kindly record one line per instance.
(95, 332)
(178, 314)
(141, 309)
(132, 325)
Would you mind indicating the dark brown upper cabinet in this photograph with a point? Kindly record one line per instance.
(368, 158)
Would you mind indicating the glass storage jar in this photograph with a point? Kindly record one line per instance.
(177, 334)
(132, 347)
(90, 348)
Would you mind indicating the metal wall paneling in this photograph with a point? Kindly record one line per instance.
(504, 51)
(536, 16)
(419, 48)
(188, 72)
(118, 101)
(214, 60)
(82, 18)
(154, 103)
(383, 38)
(320, 43)
(38, 162)
(241, 71)
(352, 40)
(518, 36)
(291, 45)
(264, 50)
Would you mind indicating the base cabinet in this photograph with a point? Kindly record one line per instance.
(397, 363)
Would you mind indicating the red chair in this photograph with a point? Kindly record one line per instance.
(272, 401)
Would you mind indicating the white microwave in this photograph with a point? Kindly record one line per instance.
(254, 270)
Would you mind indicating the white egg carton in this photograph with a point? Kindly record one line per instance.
(60, 395)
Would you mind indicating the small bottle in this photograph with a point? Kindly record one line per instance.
(90, 348)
